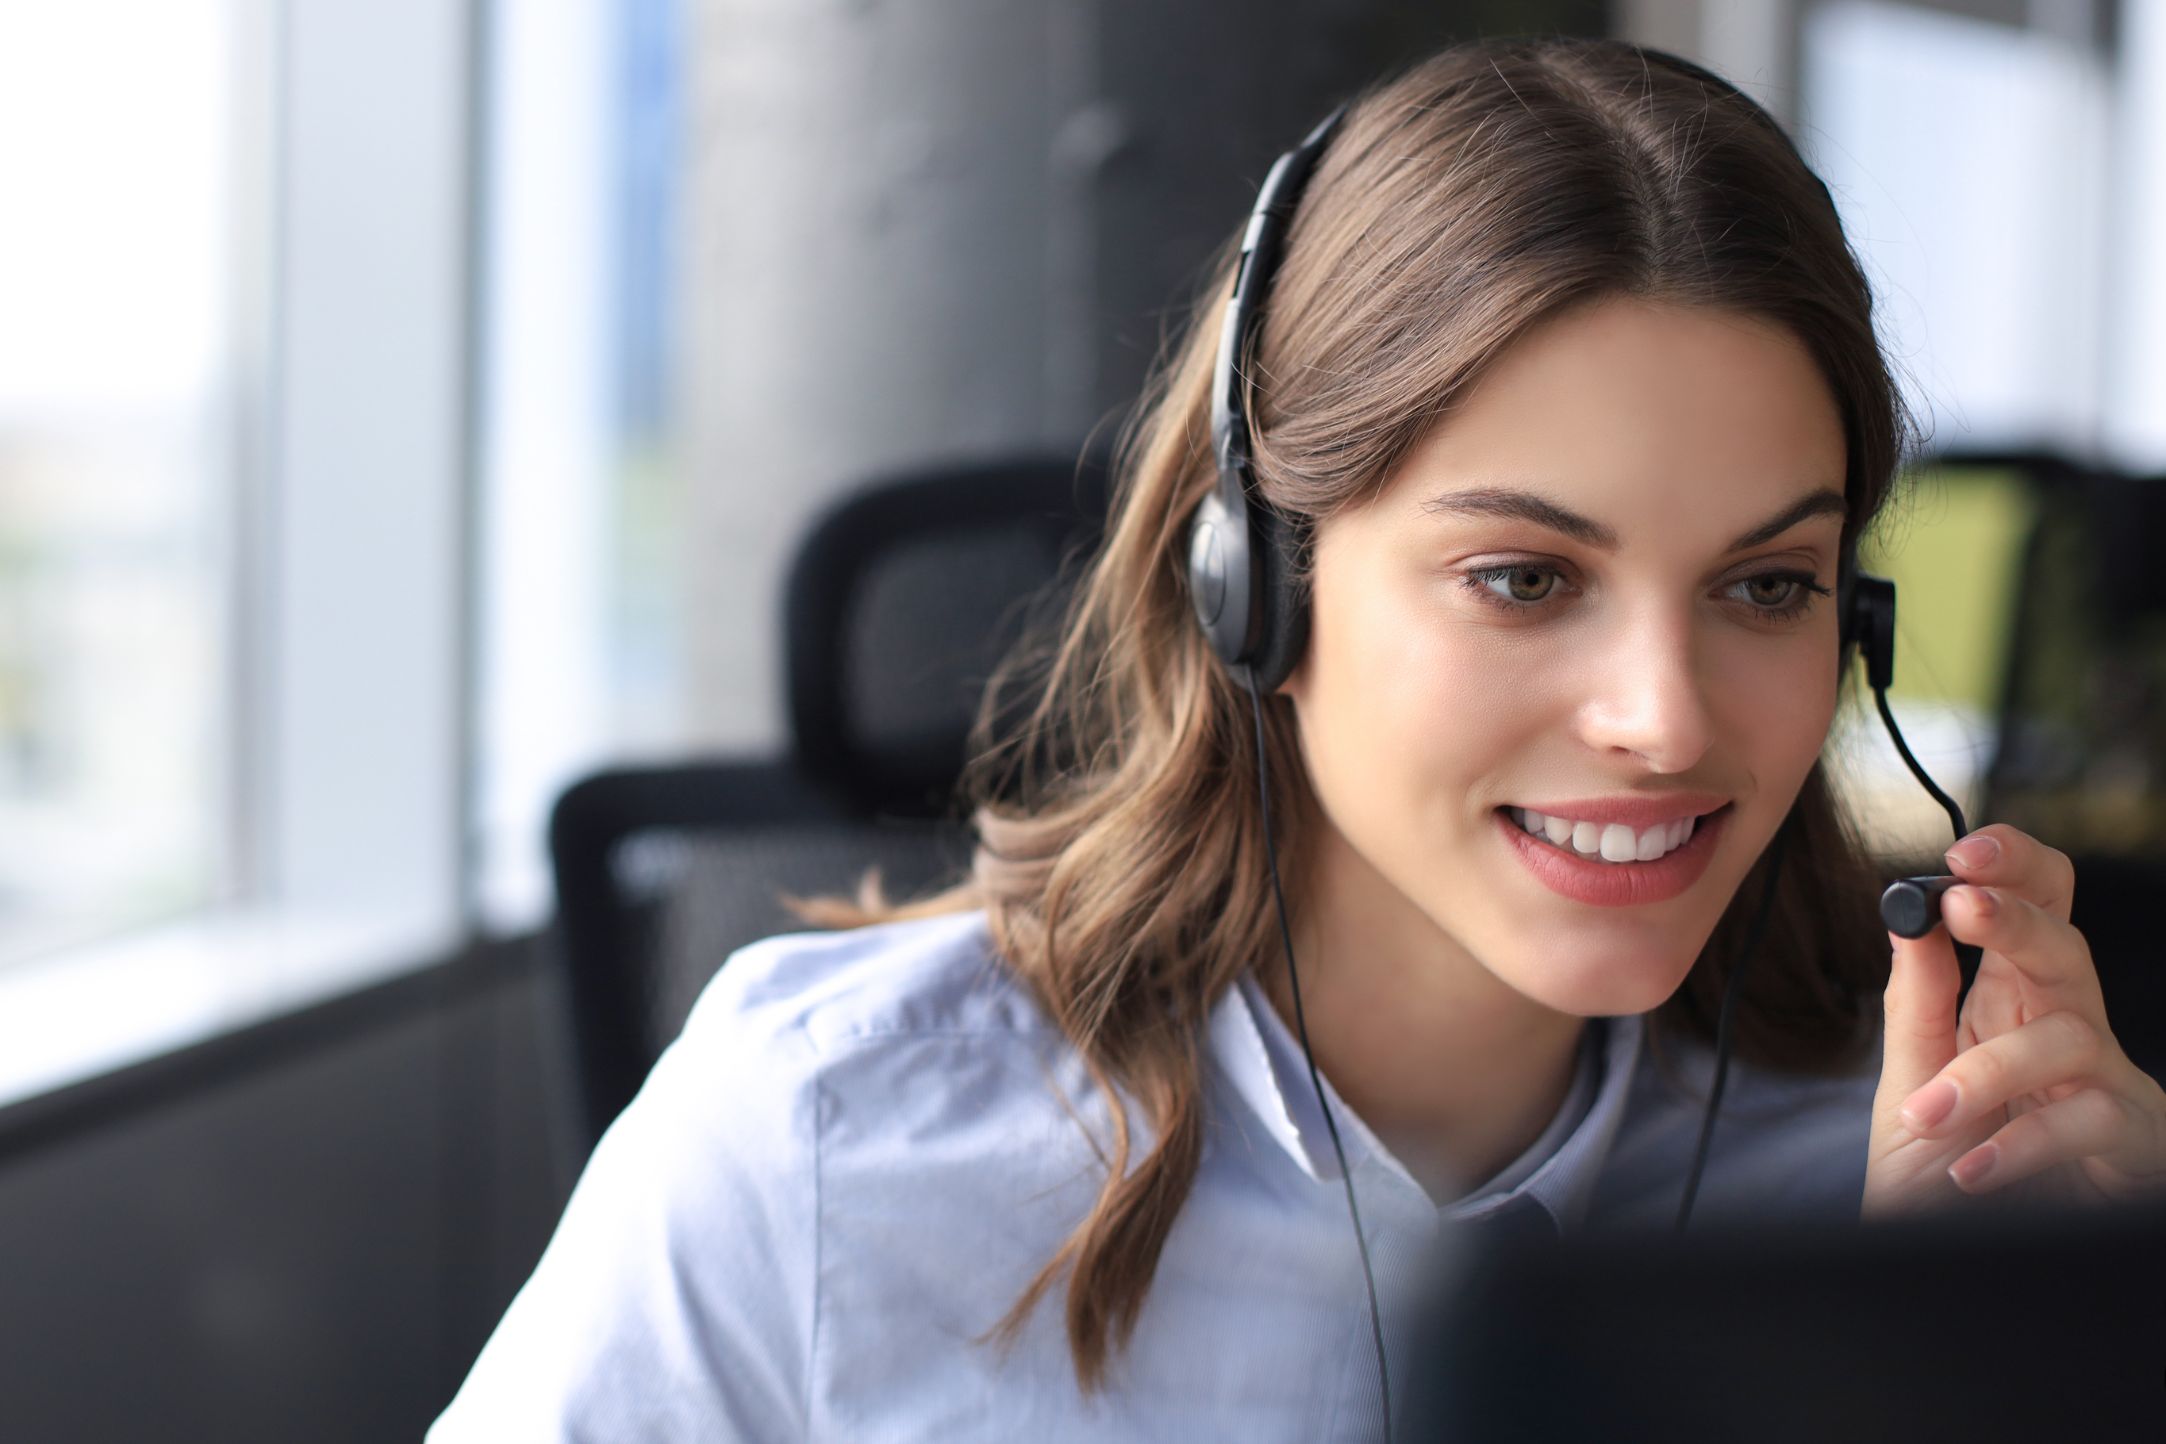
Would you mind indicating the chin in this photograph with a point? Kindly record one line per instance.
(1591, 980)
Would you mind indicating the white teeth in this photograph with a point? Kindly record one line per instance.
(1613, 842)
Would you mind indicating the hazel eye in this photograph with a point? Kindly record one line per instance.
(1778, 596)
(1771, 590)
(1520, 583)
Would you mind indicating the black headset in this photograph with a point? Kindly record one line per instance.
(1241, 559)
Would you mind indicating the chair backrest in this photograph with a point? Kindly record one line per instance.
(2081, 755)
(899, 603)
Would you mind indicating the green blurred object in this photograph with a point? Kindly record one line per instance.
(1955, 553)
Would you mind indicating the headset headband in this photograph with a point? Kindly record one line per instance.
(1236, 541)
(1261, 247)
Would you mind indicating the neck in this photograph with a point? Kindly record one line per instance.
(1454, 1070)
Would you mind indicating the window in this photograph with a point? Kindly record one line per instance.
(581, 645)
(1970, 159)
(234, 624)
(120, 400)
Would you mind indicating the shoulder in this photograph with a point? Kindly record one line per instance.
(933, 1137)
(822, 1083)
(906, 1060)
(1786, 1146)
(840, 1048)
(792, 1022)
(827, 993)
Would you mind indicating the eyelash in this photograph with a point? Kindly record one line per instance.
(1807, 589)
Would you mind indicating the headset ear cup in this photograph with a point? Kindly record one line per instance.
(1221, 586)
(1870, 621)
(1283, 602)
(1846, 613)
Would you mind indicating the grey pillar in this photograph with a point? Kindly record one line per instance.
(929, 229)
(1753, 44)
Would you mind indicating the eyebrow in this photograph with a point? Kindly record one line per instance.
(1527, 506)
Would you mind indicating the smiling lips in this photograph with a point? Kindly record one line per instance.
(1622, 860)
(1612, 841)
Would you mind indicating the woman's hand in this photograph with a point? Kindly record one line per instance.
(2028, 1083)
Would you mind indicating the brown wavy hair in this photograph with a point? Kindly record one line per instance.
(1120, 855)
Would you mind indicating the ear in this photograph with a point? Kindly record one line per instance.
(1296, 684)
(1291, 634)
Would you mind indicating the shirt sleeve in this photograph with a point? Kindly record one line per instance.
(675, 1300)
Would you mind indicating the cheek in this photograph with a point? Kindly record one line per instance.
(1407, 706)
(1780, 704)
(1395, 671)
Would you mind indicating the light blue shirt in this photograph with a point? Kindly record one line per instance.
(866, 1143)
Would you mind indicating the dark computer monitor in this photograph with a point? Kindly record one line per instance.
(2031, 1326)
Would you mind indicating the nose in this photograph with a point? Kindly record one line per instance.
(1647, 696)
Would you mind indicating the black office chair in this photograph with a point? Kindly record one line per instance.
(2081, 754)
(898, 606)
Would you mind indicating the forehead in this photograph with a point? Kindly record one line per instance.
(1641, 414)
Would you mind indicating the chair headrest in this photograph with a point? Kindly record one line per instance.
(903, 599)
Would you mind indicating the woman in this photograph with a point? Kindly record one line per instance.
(1567, 401)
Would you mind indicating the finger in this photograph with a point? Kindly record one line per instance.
(2009, 858)
(1918, 1040)
(2045, 949)
(2058, 1048)
(2079, 1126)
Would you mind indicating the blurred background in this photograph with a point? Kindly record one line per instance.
(458, 456)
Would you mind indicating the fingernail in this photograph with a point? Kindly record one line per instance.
(1973, 1166)
(1927, 1106)
(1987, 901)
(1975, 851)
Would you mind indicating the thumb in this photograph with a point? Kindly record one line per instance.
(1919, 1039)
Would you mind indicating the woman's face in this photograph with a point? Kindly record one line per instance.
(1589, 592)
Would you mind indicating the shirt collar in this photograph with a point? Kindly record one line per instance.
(1263, 1063)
